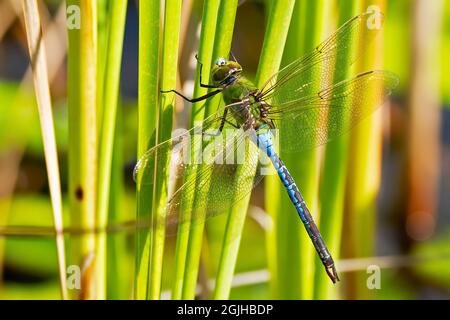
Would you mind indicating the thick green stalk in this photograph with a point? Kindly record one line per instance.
(333, 179)
(172, 20)
(82, 100)
(222, 45)
(271, 54)
(148, 92)
(364, 174)
(205, 52)
(110, 99)
(295, 255)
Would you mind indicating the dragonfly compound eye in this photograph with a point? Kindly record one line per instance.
(221, 62)
(220, 74)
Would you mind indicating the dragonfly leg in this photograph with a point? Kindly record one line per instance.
(232, 56)
(201, 69)
(222, 125)
(192, 100)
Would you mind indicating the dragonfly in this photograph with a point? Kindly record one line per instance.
(302, 106)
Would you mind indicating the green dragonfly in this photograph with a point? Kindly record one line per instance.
(303, 105)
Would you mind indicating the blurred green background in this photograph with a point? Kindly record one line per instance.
(406, 232)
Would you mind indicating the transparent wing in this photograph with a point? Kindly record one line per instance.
(206, 166)
(329, 60)
(314, 120)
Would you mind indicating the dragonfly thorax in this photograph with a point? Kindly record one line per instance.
(245, 106)
(225, 72)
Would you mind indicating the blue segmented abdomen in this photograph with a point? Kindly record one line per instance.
(265, 143)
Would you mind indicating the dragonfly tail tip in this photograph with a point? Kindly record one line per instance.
(332, 273)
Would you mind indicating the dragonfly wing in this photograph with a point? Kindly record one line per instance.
(316, 119)
(210, 189)
(314, 71)
(204, 166)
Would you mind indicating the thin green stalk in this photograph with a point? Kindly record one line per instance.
(271, 55)
(294, 253)
(205, 55)
(333, 178)
(42, 90)
(102, 43)
(445, 47)
(119, 264)
(205, 52)
(224, 37)
(148, 92)
(110, 99)
(224, 34)
(172, 20)
(82, 100)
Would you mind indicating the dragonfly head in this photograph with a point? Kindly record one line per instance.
(225, 72)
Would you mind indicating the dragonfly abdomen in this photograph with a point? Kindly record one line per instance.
(264, 138)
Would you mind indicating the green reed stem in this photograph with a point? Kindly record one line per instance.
(224, 37)
(293, 253)
(103, 26)
(172, 20)
(224, 34)
(110, 99)
(41, 84)
(333, 179)
(445, 47)
(209, 18)
(271, 54)
(148, 92)
(119, 265)
(364, 172)
(83, 148)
